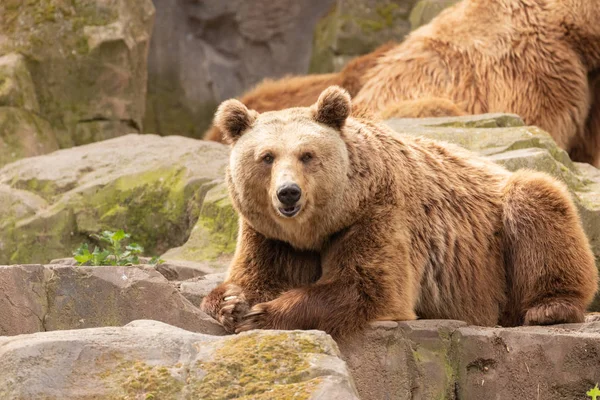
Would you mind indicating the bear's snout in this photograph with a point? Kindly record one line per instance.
(289, 194)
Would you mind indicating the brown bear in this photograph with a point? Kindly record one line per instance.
(531, 58)
(302, 91)
(343, 221)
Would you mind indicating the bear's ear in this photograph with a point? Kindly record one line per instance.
(333, 107)
(233, 118)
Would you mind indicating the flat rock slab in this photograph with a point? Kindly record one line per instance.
(152, 360)
(432, 359)
(37, 298)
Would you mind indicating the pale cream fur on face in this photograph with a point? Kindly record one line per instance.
(321, 178)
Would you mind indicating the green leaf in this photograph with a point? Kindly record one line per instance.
(135, 248)
(82, 254)
(119, 235)
(156, 260)
(100, 257)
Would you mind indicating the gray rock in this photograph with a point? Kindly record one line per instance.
(197, 289)
(152, 187)
(205, 52)
(148, 359)
(57, 297)
(83, 65)
(447, 359)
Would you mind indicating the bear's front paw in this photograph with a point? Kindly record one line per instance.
(257, 318)
(227, 304)
(233, 308)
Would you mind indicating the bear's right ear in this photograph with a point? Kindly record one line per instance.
(333, 107)
(233, 118)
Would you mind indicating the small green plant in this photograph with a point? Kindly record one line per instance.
(116, 253)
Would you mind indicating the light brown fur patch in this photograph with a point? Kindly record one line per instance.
(531, 58)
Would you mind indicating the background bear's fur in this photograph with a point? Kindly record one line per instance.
(302, 91)
(531, 58)
(390, 228)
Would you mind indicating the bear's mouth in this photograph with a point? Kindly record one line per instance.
(289, 212)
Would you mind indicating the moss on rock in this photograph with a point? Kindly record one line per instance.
(86, 60)
(255, 366)
(215, 233)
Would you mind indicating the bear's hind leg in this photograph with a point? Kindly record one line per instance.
(550, 267)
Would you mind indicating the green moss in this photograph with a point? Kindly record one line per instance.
(138, 380)
(215, 233)
(150, 205)
(258, 366)
(384, 18)
(49, 20)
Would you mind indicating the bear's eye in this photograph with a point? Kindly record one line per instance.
(268, 159)
(306, 157)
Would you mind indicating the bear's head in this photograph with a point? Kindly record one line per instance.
(288, 170)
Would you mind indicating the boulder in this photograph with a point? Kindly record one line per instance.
(433, 359)
(153, 360)
(82, 66)
(202, 53)
(57, 297)
(198, 288)
(214, 235)
(23, 133)
(152, 187)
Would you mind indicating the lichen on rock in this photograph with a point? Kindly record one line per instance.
(86, 60)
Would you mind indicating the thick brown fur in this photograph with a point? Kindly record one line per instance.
(390, 228)
(303, 91)
(528, 57)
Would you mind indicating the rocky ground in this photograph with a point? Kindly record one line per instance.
(130, 332)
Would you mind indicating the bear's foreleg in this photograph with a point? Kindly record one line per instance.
(551, 272)
(260, 271)
(366, 277)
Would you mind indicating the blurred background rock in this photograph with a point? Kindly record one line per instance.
(205, 51)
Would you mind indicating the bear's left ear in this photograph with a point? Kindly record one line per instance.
(333, 107)
(233, 118)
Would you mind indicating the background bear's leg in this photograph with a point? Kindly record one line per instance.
(550, 267)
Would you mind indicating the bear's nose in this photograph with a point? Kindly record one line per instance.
(289, 194)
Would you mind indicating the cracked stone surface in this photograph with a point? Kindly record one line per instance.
(152, 360)
(80, 75)
(37, 298)
(431, 359)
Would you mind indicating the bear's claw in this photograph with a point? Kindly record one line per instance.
(255, 319)
(232, 308)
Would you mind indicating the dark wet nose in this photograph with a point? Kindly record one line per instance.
(289, 194)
